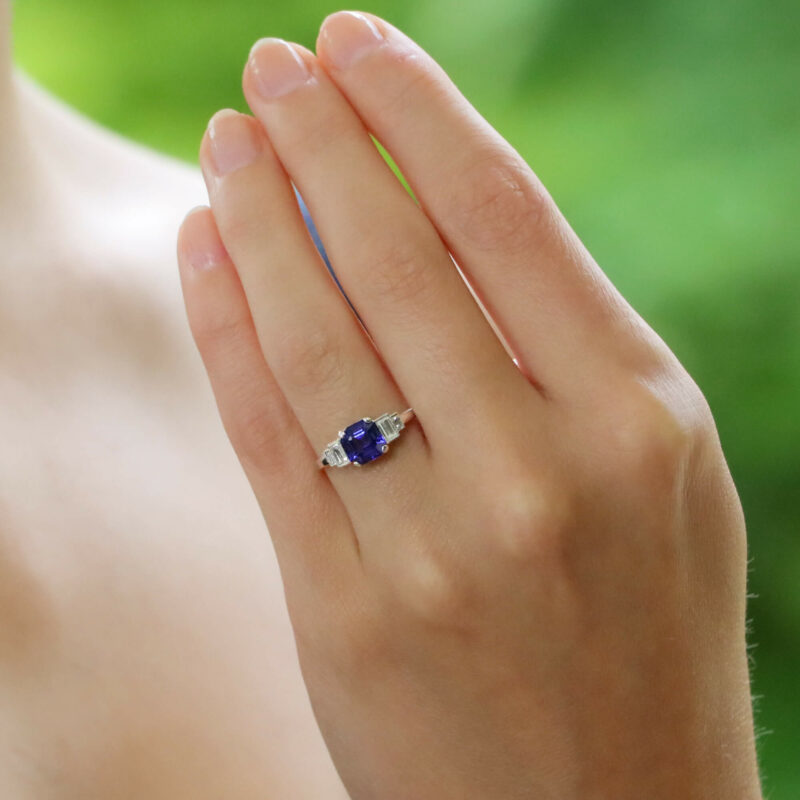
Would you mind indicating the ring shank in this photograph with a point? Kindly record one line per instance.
(407, 415)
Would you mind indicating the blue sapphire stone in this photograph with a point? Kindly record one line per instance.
(363, 441)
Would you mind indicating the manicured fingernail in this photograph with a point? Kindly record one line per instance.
(277, 68)
(347, 36)
(203, 249)
(234, 143)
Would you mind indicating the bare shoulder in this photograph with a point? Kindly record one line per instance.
(142, 617)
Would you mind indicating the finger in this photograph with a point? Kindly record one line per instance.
(387, 255)
(555, 307)
(325, 365)
(312, 535)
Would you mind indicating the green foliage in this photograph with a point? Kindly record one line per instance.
(668, 133)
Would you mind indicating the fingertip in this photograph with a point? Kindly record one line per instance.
(202, 208)
(344, 14)
(200, 246)
(346, 36)
(220, 115)
(208, 134)
(204, 150)
(309, 56)
(183, 228)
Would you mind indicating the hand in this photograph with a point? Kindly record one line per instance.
(540, 591)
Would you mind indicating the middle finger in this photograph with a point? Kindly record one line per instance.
(387, 255)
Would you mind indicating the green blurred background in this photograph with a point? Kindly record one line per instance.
(669, 132)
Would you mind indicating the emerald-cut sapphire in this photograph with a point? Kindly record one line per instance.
(363, 441)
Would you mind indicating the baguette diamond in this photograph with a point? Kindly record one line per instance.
(390, 426)
(334, 455)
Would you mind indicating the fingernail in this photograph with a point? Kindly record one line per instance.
(203, 247)
(277, 68)
(347, 36)
(234, 143)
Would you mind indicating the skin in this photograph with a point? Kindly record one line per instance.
(540, 592)
(145, 648)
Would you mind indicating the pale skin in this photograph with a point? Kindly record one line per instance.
(145, 648)
(540, 591)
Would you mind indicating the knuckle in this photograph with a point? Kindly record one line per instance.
(360, 650)
(420, 78)
(531, 518)
(240, 227)
(400, 271)
(320, 131)
(654, 434)
(499, 204)
(252, 423)
(255, 434)
(432, 592)
(223, 330)
(311, 360)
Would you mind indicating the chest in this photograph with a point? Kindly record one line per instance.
(122, 494)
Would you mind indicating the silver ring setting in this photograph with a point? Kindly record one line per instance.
(365, 440)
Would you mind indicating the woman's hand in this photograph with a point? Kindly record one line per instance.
(540, 591)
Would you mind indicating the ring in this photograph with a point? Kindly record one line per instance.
(365, 440)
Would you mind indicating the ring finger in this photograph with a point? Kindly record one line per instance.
(325, 365)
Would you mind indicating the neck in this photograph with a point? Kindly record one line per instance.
(29, 181)
(57, 168)
(21, 181)
(7, 90)
(18, 185)
(6, 77)
(5, 39)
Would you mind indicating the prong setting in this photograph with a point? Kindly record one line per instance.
(364, 440)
